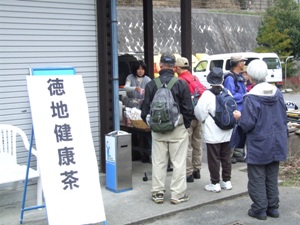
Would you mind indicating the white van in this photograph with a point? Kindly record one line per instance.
(202, 69)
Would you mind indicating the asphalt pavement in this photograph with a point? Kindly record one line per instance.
(295, 97)
(233, 211)
(136, 207)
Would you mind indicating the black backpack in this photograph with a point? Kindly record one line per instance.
(225, 106)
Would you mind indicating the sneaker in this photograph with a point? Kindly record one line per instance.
(196, 174)
(273, 213)
(213, 188)
(259, 216)
(190, 179)
(158, 197)
(185, 198)
(226, 185)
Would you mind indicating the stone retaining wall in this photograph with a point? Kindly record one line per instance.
(212, 33)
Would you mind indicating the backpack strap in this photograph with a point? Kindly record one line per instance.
(172, 82)
(235, 80)
(158, 82)
(216, 99)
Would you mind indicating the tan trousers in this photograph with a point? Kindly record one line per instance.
(194, 154)
(173, 146)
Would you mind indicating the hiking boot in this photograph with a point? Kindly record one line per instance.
(240, 159)
(169, 168)
(196, 174)
(233, 160)
(259, 216)
(158, 197)
(213, 188)
(185, 198)
(190, 179)
(145, 159)
(273, 213)
(226, 185)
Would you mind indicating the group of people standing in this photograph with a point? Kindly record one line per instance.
(260, 113)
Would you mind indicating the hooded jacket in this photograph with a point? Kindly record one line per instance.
(264, 121)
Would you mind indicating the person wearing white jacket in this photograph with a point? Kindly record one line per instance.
(217, 140)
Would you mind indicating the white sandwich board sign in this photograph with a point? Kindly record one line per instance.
(67, 157)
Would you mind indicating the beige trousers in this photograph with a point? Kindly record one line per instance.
(194, 154)
(173, 146)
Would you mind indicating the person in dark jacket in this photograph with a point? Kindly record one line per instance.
(170, 145)
(264, 121)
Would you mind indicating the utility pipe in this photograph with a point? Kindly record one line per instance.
(115, 69)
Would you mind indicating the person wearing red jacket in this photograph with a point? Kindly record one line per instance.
(194, 154)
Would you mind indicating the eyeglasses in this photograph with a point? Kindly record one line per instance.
(244, 62)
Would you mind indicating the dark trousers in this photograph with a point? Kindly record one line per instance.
(144, 141)
(263, 186)
(219, 155)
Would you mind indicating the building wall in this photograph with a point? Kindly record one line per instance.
(212, 33)
(45, 33)
(51, 33)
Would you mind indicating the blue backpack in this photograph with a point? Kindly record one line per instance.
(225, 106)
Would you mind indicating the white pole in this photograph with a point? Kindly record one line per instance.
(285, 73)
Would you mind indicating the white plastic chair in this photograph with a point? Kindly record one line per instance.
(10, 170)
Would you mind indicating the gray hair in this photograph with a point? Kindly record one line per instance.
(168, 65)
(257, 70)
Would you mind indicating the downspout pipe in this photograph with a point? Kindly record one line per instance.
(115, 69)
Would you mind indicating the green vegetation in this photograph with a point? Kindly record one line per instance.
(271, 39)
(279, 31)
(289, 172)
(283, 18)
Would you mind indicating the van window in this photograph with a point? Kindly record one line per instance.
(216, 63)
(228, 66)
(272, 63)
(201, 67)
